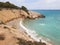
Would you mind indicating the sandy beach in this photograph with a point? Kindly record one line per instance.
(15, 24)
(14, 21)
(29, 22)
(32, 35)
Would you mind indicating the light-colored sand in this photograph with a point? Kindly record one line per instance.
(10, 14)
(9, 33)
(15, 24)
(12, 18)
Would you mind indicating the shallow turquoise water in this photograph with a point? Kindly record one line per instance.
(48, 27)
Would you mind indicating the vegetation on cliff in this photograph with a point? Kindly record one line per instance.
(25, 9)
(12, 6)
(8, 5)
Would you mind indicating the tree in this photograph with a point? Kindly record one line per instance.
(8, 5)
(25, 9)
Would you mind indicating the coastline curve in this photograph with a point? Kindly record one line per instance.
(33, 34)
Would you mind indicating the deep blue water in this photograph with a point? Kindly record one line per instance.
(48, 27)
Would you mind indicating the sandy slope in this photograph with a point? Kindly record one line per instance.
(11, 29)
(10, 14)
(10, 34)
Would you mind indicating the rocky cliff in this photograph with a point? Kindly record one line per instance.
(10, 14)
(10, 35)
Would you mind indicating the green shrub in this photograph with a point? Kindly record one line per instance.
(8, 5)
(25, 9)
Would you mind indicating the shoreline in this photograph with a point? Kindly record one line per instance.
(29, 32)
(33, 34)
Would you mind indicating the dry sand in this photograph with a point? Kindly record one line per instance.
(11, 28)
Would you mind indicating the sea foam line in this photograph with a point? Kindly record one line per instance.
(33, 34)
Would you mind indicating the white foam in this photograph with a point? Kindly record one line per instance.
(33, 34)
(42, 24)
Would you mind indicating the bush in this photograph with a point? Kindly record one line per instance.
(25, 9)
(8, 5)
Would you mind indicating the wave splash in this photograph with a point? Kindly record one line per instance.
(34, 35)
(42, 24)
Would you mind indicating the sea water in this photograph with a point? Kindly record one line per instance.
(48, 27)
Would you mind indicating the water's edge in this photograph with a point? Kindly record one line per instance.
(33, 34)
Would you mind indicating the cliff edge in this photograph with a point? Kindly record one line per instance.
(9, 33)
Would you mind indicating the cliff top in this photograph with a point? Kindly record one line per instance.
(8, 5)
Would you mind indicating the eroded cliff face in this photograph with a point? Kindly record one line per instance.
(10, 14)
(9, 33)
(34, 15)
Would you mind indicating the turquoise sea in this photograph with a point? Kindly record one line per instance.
(48, 27)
